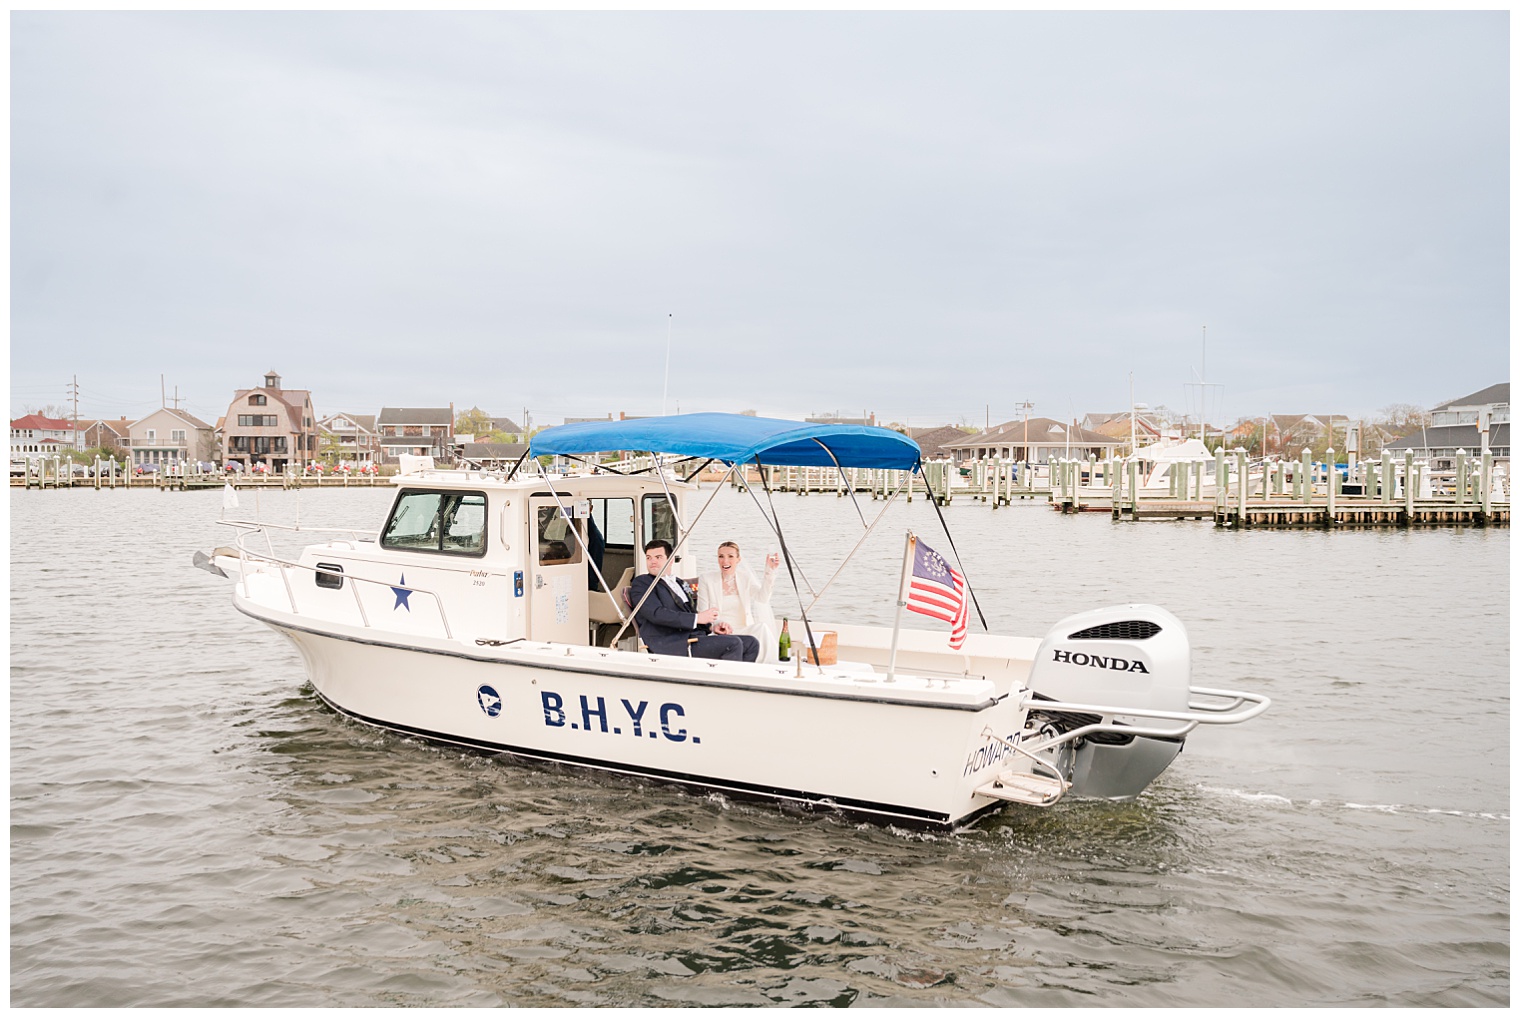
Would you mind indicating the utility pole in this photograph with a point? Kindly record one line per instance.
(1026, 406)
(74, 391)
(1203, 392)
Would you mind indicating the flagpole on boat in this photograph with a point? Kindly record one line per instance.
(902, 601)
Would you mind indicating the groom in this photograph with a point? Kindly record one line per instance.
(669, 622)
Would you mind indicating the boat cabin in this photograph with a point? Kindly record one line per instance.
(483, 558)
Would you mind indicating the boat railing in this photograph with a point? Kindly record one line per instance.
(246, 554)
(257, 525)
(1239, 707)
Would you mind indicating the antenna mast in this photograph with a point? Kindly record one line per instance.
(669, 319)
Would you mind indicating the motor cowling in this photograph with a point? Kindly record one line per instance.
(1127, 656)
(1124, 656)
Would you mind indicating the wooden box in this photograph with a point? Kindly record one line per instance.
(828, 647)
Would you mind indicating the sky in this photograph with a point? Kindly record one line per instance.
(931, 217)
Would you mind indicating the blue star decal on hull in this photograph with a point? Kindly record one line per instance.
(401, 595)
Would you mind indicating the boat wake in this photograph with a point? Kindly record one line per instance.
(1392, 808)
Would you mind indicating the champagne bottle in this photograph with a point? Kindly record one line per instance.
(786, 642)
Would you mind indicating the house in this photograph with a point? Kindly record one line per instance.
(1473, 422)
(104, 434)
(1470, 409)
(170, 437)
(1287, 434)
(270, 425)
(1039, 440)
(491, 455)
(35, 436)
(352, 438)
(1147, 427)
(934, 443)
(416, 431)
(506, 426)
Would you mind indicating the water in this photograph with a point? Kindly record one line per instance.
(191, 827)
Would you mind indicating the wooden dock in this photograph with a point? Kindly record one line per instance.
(1357, 512)
(53, 478)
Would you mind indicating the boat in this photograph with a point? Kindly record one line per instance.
(491, 610)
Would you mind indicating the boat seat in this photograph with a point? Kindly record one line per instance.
(600, 607)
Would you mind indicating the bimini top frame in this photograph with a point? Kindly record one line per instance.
(735, 438)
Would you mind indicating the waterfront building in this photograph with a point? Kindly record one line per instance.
(1038, 440)
(935, 443)
(491, 455)
(1287, 434)
(354, 438)
(271, 425)
(35, 436)
(170, 437)
(1463, 423)
(416, 431)
(104, 434)
(1147, 428)
(508, 427)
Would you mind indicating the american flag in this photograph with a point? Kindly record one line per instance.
(938, 590)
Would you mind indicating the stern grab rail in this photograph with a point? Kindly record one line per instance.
(1197, 714)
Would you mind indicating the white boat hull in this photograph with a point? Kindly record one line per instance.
(898, 752)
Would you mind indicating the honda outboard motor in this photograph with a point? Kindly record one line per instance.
(1127, 656)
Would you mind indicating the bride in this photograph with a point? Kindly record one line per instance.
(742, 600)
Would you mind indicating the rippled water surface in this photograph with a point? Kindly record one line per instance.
(191, 826)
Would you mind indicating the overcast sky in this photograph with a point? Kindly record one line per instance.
(925, 216)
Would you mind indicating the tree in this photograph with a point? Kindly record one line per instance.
(329, 448)
(52, 410)
(89, 455)
(473, 421)
(1403, 418)
(1164, 413)
(1247, 434)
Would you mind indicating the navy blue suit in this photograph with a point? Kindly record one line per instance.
(667, 622)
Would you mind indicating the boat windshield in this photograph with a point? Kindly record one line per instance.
(438, 521)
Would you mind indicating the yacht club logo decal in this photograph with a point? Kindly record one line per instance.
(636, 720)
(401, 595)
(490, 700)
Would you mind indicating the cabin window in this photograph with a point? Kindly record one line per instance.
(614, 518)
(659, 521)
(443, 521)
(330, 575)
(610, 539)
(557, 544)
(464, 528)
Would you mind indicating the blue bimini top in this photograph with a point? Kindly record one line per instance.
(736, 438)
